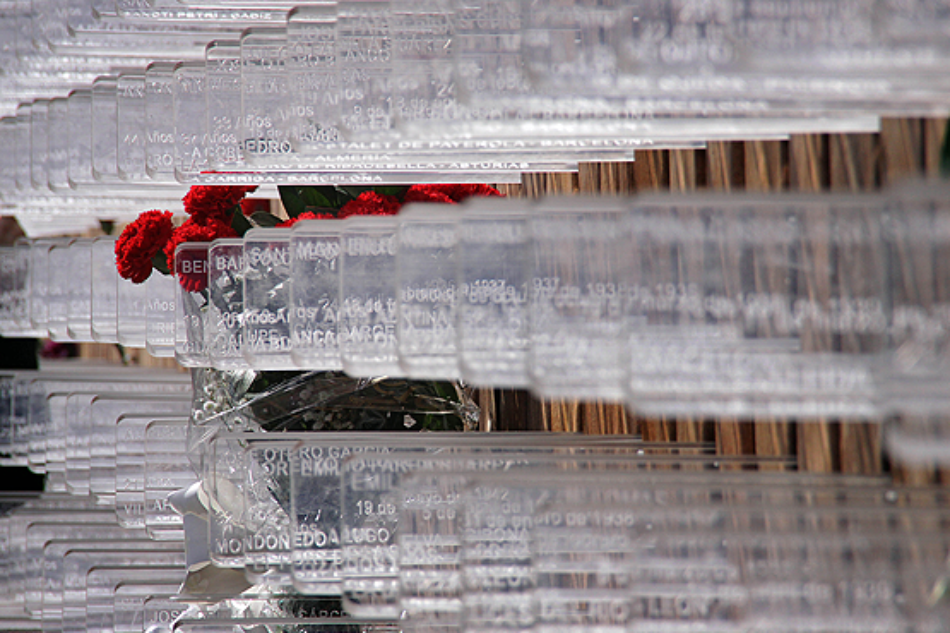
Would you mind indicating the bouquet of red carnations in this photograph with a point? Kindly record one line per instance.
(224, 211)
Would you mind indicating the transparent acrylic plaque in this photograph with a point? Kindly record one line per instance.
(57, 295)
(8, 132)
(22, 310)
(159, 129)
(575, 51)
(268, 548)
(422, 36)
(167, 469)
(224, 321)
(39, 145)
(265, 89)
(266, 342)
(315, 294)
(223, 111)
(131, 301)
(493, 261)
(104, 290)
(79, 309)
(222, 477)
(80, 120)
(191, 114)
(58, 145)
(364, 59)
(131, 127)
(8, 289)
(368, 297)
(105, 130)
(79, 430)
(314, 117)
(22, 170)
(160, 314)
(192, 304)
(487, 52)
(427, 286)
(39, 284)
(576, 303)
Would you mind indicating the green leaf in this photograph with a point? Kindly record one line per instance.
(107, 226)
(324, 196)
(240, 224)
(264, 220)
(160, 262)
(292, 200)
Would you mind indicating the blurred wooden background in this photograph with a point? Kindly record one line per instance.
(903, 148)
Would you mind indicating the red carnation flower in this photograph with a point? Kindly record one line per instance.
(207, 203)
(306, 215)
(250, 206)
(447, 194)
(140, 242)
(427, 193)
(191, 231)
(461, 192)
(371, 203)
